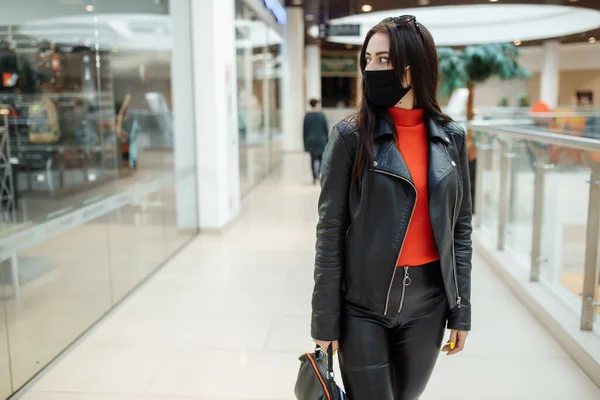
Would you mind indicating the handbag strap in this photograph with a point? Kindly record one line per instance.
(330, 373)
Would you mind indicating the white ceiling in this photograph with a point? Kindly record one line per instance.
(121, 31)
(17, 12)
(129, 31)
(485, 23)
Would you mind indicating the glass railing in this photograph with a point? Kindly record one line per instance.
(538, 198)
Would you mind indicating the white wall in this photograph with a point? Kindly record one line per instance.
(490, 92)
(571, 57)
(215, 111)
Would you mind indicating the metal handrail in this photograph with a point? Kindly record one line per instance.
(500, 134)
(565, 114)
(574, 142)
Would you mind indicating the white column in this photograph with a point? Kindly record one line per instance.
(313, 73)
(215, 110)
(266, 105)
(293, 80)
(183, 115)
(550, 78)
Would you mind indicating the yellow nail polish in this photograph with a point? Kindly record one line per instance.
(452, 345)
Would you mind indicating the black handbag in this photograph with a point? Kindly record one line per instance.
(316, 378)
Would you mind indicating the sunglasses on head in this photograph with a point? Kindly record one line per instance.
(404, 20)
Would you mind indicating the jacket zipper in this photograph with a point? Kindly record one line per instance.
(405, 282)
(458, 298)
(387, 300)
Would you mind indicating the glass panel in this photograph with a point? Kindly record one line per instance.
(259, 105)
(5, 283)
(63, 286)
(273, 68)
(489, 181)
(566, 198)
(177, 230)
(98, 200)
(520, 213)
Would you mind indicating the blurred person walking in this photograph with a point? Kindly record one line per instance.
(315, 137)
(393, 251)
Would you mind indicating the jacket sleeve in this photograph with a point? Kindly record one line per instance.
(333, 223)
(325, 128)
(305, 132)
(460, 317)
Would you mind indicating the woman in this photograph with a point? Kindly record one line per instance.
(393, 262)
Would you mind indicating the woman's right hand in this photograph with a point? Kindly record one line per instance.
(325, 345)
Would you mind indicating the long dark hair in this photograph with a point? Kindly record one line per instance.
(412, 45)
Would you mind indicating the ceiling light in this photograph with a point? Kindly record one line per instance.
(592, 40)
(573, 1)
(493, 1)
(423, 2)
(89, 8)
(314, 31)
(367, 8)
(517, 42)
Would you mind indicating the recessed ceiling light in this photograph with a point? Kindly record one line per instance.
(493, 1)
(367, 8)
(89, 8)
(592, 40)
(517, 42)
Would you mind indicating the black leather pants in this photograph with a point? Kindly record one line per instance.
(391, 357)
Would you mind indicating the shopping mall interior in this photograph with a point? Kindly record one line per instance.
(158, 212)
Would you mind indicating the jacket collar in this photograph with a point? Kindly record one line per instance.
(389, 160)
(434, 130)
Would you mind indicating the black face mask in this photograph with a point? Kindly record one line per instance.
(383, 89)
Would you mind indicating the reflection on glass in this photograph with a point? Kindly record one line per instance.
(63, 287)
(490, 180)
(92, 190)
(520, 214)
(258, 73)
(5, 377)
(566, 198)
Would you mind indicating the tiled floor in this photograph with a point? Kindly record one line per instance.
(228, 317)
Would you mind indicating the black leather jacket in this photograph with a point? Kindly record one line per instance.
(359, 235)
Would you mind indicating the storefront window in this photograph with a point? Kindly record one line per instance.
(258, 71)
(89, 184)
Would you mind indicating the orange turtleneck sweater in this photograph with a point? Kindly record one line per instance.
(419, 244)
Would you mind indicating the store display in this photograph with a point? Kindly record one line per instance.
(50, 66)
(9, 68)
(43, 122)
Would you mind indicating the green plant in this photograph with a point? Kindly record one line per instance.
(503, 102)
(523, 100)
(476, 64)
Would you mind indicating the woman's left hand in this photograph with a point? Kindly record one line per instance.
(456, 343)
